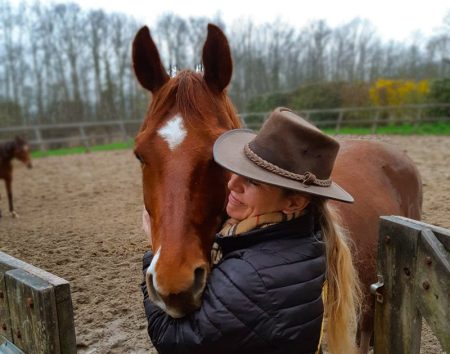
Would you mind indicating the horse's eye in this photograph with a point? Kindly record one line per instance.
(139, 157)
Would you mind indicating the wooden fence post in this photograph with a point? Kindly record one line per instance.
(38, 309)
(339, 121)
(123, 130)
(397, 249)
(32, 307)
(39, 139)
(83, 137)
(5, 319)
(433, 284)
(418, 117)
(414, 263)
(375, 121)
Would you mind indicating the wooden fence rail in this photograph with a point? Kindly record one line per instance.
(36, 313)
(414, 282)
(45, 136)
(373, 116)
(85, 134)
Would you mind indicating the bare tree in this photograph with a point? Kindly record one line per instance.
(172, 32)
(319, 35)
(97, 26)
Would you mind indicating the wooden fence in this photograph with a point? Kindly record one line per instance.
(373, 116)
(36, 313)
(47, 136)
(414, 282)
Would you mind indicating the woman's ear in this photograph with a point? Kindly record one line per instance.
(295, 203)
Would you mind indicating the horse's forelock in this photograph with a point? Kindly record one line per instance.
(188, 95)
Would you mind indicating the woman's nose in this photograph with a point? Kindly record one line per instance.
(234, 183)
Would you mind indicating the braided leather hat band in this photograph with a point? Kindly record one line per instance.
(307, 178)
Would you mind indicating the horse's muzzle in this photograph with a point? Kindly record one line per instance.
(178, 304)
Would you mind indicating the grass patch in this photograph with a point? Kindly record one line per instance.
(83, 150)
(394, 129)
(398, 129)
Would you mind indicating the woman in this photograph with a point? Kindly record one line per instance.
(281, 260)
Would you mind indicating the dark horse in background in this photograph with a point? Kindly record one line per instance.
(185, 191)
(19, 149)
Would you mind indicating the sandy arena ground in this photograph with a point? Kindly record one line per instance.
(80, 218)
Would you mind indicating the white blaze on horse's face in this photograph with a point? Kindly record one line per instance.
(174, 131)
(152, 286)
(152, 266)
(153, 291)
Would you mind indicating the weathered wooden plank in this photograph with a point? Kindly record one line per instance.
(5, 320)
(63, 299)
(433, 286)
(32, 306)
(442, 234)
(67, 339)
(396, 262)
(8, 262)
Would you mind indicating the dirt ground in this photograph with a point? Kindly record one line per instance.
(80, 218)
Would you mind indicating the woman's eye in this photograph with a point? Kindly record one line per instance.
(251, 181)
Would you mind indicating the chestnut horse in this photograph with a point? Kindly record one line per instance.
(17, 148)
(185, 191)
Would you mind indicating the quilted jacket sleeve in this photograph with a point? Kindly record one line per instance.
(233, 316)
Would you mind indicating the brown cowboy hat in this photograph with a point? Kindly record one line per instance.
(288, 152)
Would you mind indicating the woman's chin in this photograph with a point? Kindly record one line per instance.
(234, 213)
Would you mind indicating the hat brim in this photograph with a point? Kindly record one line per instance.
(228, 152)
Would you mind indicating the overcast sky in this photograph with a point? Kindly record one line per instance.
(393, 19)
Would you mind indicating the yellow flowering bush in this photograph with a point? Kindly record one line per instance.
(386, 92)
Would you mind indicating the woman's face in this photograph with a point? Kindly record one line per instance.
(248, 198)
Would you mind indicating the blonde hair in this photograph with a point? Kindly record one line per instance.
(343, 296)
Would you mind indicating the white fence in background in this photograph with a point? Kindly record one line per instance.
(48, 136)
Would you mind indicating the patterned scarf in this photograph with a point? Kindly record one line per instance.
(234, 228)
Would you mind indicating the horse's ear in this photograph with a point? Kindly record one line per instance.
(217, 62)
(146, 61)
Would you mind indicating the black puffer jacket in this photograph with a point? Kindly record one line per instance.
(263, 297)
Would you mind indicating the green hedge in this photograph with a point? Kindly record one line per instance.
(440, 93)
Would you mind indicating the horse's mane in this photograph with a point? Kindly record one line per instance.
(187, 92)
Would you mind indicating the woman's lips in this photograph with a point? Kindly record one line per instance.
(233, 200)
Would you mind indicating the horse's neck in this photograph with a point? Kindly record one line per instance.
(7, 151)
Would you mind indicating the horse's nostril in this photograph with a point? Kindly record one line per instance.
(199, 279)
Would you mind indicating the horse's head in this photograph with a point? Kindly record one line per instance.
(22, 151)
(184, 189)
